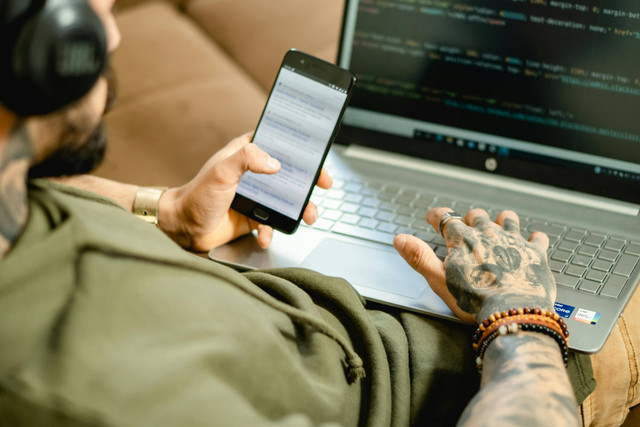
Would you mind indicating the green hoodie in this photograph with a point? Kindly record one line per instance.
(105, 321)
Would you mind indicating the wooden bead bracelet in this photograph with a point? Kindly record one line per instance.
(521, 319)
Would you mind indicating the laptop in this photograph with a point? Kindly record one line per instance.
(529, 106)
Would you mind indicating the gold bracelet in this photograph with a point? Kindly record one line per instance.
(145, 205)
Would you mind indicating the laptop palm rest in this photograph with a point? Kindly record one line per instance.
(378, 273)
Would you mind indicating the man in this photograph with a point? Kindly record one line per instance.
(106, 321)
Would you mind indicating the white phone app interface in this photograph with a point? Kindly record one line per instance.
(297, 124)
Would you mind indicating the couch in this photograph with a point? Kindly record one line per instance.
(193, 74)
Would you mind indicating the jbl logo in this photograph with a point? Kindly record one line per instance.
(76, 59)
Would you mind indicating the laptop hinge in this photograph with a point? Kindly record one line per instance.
(513, 184)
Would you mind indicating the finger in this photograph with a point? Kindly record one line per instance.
(540, 241)
(324, 179)
(265, 235)
(233, 146)
(249, 157)
(420, 257)
(477, 218)
(452, 230)
(310, 214)
(509, 221)
(434, 215)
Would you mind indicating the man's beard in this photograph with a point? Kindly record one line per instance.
(73, 157)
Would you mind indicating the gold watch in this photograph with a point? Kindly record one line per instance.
(145, 205)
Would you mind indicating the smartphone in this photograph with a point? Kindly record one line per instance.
(297, 126)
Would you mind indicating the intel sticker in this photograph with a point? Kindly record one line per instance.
(587, 316)
(564, 310)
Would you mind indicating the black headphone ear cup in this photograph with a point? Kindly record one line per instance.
(57, 57)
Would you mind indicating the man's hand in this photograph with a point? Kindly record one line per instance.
(489, 268)
(198, 215)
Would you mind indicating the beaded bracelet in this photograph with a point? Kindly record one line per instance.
(514, 320)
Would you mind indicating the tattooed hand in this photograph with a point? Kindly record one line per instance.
(489, 268)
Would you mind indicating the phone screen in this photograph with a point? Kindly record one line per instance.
(296, 126)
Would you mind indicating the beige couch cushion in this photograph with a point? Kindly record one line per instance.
(257, 33)
(195, 73)
(181, 98)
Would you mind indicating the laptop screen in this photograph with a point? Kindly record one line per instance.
(541, 90)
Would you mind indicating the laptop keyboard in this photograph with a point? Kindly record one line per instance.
(588, 261)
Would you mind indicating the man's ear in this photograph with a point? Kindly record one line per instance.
(7, 121)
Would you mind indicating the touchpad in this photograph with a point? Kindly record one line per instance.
(381, 268)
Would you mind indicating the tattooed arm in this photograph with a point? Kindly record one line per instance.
(491, 268)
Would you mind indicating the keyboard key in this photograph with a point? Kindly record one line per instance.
(350, 219)
(568, 246)
(368, 223)
(367, 212)
(625, 265)
(594, 239)
(420, 214)
(353, 187)
(566, 281)
(336, 194)
(614, 286)
(403, 220)
(633, 249)
(589, 286)
(404, 230)
(353, 198)
(404, 199)
(386, 196)
(589, 251)
(370, 202)
(581, 260)
(462, 208)
(363, 233)
(349, 208)
(596, 276)
(337, 183)
(575, 271)
(608, 255)
(420, 224)
(427, 237)
(444, 202)
(323, 224)
(331, 214)
(331, 204)
(387, 206)
(369, 192)
(614, 244)
(405, 210)
(384, 216)
(602, 265)
(439, 240)
(387, 227)
(442, 252)
(551, 230)
(556, 266)
(563, 256)
(424, 201)
(574, 236)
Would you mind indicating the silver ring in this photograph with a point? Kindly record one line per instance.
(448, 216)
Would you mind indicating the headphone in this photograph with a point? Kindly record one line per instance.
(52, 52)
